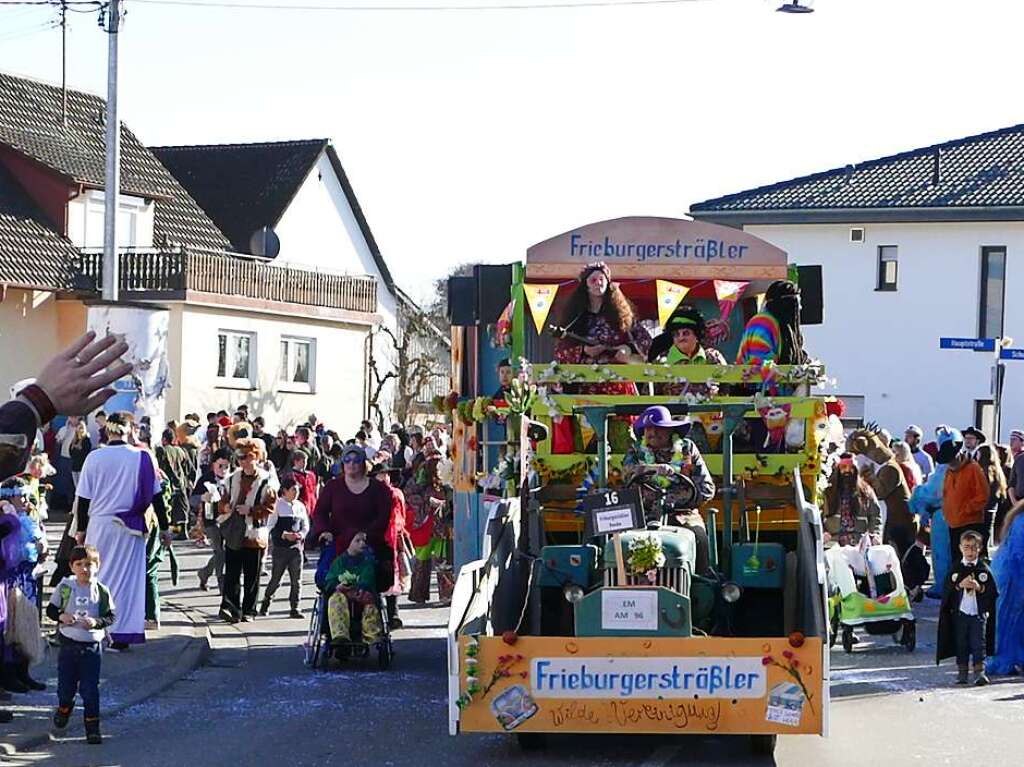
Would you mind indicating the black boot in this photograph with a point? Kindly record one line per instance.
(9, 680)
(92, 731)
(26, 679)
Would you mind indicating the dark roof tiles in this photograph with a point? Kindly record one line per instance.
(31, 124)
(986, 170)
(242, 187)
(31, 253)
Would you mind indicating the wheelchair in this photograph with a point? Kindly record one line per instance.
(320, 649)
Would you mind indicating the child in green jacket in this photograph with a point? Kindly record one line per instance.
(353, 581)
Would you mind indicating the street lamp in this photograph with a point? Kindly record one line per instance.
(794, 7)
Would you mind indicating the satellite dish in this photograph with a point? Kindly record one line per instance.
(794, 7)
(264, 242)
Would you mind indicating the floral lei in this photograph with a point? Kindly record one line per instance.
(679, 459)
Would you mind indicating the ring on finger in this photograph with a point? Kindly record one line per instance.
(78, 361)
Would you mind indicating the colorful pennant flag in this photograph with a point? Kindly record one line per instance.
(728, 294)
(670, 295)
(540, 298)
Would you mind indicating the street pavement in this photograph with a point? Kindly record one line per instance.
(253, 701)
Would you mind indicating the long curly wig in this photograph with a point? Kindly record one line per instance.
(615, 308)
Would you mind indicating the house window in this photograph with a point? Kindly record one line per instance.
(129, 213)
(236, 359)
(888, 267)
(298, 360)
(993, 292)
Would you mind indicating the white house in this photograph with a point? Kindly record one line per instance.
(210, 325)
(291, 203)
(913, 247)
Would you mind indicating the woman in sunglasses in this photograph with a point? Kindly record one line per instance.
(352, 503)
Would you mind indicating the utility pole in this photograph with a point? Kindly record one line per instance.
(64, 63)
(111, 276)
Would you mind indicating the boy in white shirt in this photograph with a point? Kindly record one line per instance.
(289, 526)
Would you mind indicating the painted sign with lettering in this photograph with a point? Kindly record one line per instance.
(680, 245)
(696, 685)
(634, 678)
(629, 610)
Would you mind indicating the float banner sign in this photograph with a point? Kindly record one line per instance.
(667, 242)
(645, 685)
(971, 344)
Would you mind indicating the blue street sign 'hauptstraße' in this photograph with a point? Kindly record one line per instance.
(1011, 354)
(972, 344)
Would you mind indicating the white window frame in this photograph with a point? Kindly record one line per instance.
(297, 386)
(129, 211)
(883, 285)
(230, 382)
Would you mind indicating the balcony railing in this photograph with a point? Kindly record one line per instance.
(170, 274)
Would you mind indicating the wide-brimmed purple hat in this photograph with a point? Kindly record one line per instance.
(658, 415)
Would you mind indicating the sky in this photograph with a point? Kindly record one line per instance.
(471, 135)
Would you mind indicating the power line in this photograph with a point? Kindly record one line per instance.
(515, 6)
(15, 34)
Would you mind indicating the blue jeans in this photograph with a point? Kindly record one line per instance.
(78, 671)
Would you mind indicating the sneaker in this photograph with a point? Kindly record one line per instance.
(981, 679)
(296, 613)
(61, 717)
(227, 617)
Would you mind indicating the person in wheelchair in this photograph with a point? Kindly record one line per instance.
(671, 474)
(351, 586)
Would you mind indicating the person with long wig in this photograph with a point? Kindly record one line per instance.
(773, 334)
(598, 311)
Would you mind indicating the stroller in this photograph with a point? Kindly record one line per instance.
(866, 590)
(319, 647)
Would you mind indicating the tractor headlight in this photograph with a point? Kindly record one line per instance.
(731, 592)
(572, 593)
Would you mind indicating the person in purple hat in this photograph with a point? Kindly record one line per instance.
(666, 453)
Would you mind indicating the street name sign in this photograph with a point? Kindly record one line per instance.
(1011, 354)
(971, 344)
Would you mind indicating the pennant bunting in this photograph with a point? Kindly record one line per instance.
(540, 298)
(670, 295)
(728, 293)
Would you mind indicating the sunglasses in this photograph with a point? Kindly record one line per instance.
(352, 459)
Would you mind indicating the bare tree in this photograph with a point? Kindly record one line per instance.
(419, 359)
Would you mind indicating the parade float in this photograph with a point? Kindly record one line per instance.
(573, 612)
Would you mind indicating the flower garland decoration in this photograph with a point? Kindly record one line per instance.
(646, 555)
(791, 665)
(569, 475)
(504, 669)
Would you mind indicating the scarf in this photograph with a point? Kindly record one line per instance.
(134, 520)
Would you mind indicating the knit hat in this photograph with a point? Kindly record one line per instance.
(1018, 433)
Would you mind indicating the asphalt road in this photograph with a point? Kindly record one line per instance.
(255, 703)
